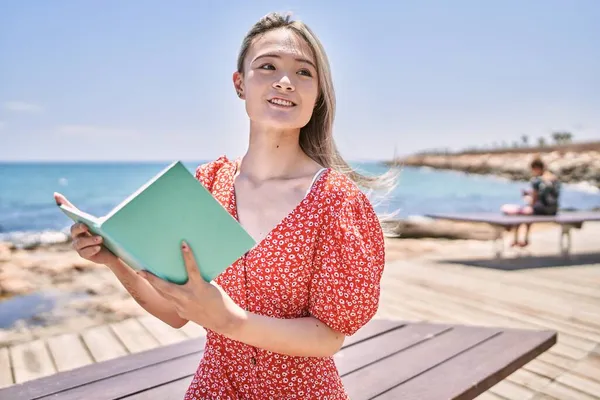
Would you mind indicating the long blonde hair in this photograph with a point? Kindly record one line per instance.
(316, 137)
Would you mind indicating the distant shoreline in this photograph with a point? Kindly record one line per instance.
(573, 163)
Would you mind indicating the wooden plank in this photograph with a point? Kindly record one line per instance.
(451, 296)
(475, 312)
(135, 381)
(373, 328)
(133, 335)
(560, 391)
(558, 360)
(529, 379)
(568, 351)
(102, 371)
(31, 360)
(582, 384)
(102, 343)
(162, 332)
(68, 352)
(352, 358)
(544, 369)
(455, 314)
(170, 391)
(489, 396)
(533, 301)
(6, 376)
(588, 368)
(385, 374)
(472, 372)
(183, 369)
(541, 396)
(511, 390)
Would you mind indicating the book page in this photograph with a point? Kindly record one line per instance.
(80, 216)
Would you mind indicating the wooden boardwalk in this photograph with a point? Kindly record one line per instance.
(565, 299)
(22, 362)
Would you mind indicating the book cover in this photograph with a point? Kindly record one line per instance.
(146, 229)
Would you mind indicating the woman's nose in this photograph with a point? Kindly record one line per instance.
(284, 84)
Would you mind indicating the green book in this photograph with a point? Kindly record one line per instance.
(146, 229)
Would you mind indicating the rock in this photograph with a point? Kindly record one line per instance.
(15, 286)
(438, 229)
(5, 251)
(84, 265)
(117, 308)
(99, 288)
(54, 267)
(570, 166)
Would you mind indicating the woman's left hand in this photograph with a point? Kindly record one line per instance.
(199, 301)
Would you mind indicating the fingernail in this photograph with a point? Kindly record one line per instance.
(184, 246)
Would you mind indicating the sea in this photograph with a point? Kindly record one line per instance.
(28, 211)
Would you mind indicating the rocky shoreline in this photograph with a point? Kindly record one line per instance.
(573, 165)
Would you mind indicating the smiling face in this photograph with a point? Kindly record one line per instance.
(280, 82)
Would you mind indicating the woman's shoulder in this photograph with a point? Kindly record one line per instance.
(207, 172)
(339, 191)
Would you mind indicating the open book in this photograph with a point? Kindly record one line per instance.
(147, 228)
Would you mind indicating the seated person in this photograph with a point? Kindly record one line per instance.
(541, 199)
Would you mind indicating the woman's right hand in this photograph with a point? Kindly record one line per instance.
(87, 245)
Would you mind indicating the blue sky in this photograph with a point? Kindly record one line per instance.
(151, 80)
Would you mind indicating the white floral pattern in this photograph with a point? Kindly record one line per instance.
(325, 259)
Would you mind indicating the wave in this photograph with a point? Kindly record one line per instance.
(32, 239)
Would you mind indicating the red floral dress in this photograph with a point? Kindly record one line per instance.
(324, 259)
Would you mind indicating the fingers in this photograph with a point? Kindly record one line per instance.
(190, 261)
(83, 242)
(78, 229)
(60, 199)
(90, 251)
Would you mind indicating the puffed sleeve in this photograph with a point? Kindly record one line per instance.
(348, 265)
(207, 172)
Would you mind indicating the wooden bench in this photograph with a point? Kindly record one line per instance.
(502, 223)
(384, 360)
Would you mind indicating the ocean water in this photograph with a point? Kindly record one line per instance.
(27, 204)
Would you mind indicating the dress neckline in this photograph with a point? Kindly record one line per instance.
(308, 197)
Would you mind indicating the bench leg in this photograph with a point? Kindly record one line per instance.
(565, 240)
(499, 241)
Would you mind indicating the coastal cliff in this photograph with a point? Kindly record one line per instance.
(573, 163)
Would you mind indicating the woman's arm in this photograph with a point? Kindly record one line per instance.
(210, 306)
(145, 295)
(307, 337)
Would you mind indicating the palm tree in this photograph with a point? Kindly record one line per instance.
(562, 137)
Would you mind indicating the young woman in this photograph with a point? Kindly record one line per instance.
(541, 199)
(275, 318)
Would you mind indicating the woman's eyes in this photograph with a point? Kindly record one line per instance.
(267, 66)
(303, 71)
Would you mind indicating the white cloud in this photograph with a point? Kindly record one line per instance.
(22, 106)
(91, 131)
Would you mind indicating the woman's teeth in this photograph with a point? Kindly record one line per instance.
(280, 102)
